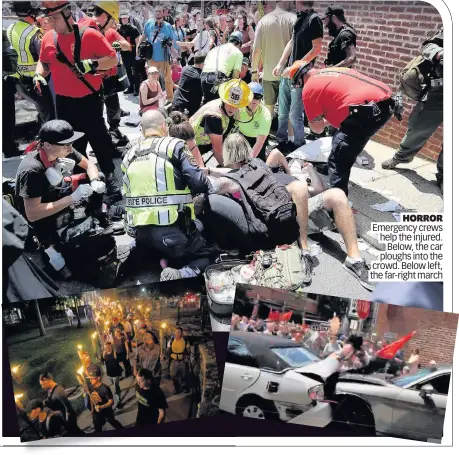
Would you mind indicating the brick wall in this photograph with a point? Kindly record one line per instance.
(390, 34)
(435, 330)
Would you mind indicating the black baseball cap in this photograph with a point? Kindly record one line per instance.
(94, 371)
(246, 61)
(334, 10)
(58, 132)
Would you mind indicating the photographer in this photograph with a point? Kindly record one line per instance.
(222, 63)
(160, 35)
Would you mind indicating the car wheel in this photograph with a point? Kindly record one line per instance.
(257, 408)
(354, 415)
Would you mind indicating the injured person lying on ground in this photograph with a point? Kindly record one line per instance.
(317, 209)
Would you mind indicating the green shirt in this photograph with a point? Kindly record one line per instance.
(229, 59)
(260, 125)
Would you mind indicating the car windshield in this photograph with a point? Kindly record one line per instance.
(295, 356)
(405, 380)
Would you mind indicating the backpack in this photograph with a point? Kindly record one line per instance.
(415, 78)
(268, 206)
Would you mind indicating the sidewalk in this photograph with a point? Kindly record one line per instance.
(413, 186)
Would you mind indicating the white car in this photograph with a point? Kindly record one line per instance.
(269, 377)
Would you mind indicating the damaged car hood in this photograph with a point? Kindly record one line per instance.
(324, 368)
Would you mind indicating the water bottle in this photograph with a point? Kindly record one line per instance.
(55, 258)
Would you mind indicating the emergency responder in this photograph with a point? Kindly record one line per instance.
(342, 47)
(106, 18)
(355, 104)
(25, 38)
(222, 63)
(216, 119)
(427, 115)
(159, 182)
(77, 86)
(178, 350)
(255, 122)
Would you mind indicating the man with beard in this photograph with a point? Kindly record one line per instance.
(341, 50)
(149, 357)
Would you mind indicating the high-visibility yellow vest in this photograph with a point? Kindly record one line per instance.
(178, 349)
(211, 109)
(20, 35)
(154, 188)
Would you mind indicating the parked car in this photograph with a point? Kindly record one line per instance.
(269, 377)
(410, 406)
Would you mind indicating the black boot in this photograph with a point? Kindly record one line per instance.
(129, 90)
(111, 184)
(118, 138)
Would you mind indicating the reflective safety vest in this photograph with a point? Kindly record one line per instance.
(20, 35)
(211, 109)
(178, 348)
(153, 186)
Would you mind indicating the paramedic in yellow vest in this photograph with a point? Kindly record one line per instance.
(255, 122)
(160, 179)
(178, 350)
(25, 38)
(216, 119)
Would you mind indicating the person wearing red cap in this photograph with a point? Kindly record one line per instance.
(77, 86)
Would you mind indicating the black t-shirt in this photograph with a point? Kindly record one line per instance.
(214, 125)
(149, 402)
(119, 345)
(113, 367)
(129, 32)
(31, 182)
(57, 401)
(105, 395)
(189, 94)
(346, 37)
(307, 28)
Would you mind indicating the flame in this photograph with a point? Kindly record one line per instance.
(79, 347)
(163, 325)
(18, 396)
(80, 371)
(15, 369)
(93, 336)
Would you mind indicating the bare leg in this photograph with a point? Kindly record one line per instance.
(335, 200)
(300, 195)
(276, 158)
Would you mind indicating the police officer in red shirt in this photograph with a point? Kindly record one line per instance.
(106, 17)
(76, 82)
(357, 105)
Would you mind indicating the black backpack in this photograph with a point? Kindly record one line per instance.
(267, 204)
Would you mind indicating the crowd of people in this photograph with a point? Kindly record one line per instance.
(129, 348)
(324, 341)
(207, 81)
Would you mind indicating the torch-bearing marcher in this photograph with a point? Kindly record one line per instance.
(178, 350)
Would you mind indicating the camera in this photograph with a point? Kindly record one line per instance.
(167, 42)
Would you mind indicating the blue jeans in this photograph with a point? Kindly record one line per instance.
(290, 107)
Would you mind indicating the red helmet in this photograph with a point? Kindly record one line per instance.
(53, 7)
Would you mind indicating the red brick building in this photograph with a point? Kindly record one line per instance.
(435, 330)
(390, 34)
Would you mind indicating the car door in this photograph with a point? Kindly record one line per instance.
(418, 417)
(241, 372)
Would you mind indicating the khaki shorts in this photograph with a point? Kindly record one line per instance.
(319, 217)
(270, 92)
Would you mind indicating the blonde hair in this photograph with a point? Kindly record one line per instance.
(236, 150)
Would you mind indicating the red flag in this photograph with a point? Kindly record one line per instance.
(388, 352)
(273, 316)
(286, 316)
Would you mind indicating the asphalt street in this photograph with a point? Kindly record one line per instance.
(329, 276)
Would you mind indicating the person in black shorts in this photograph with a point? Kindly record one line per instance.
(102, 401)
(151, 401)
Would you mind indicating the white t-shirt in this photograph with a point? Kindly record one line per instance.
(69, 313)
(201, 42)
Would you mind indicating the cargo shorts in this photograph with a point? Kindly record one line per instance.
(320, 219)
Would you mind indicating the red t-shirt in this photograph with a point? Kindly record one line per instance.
(93, 46)
(331, 94)
(111, 35)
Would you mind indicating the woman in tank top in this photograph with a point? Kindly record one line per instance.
(151, 94)
(248, 34)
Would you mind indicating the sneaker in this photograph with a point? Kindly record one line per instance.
(136, 93)
(306, 260)
(129, 90)
(169, 274)
(390, 163)
(360, 271)
(125, 113)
